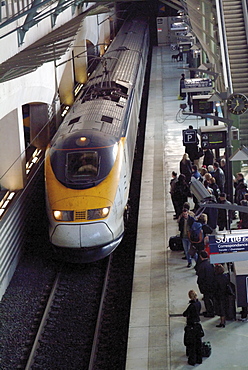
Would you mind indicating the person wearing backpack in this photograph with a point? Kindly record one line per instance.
(206, 229)
(184, 224)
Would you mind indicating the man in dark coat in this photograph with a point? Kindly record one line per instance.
(219, 176)
(172, 189)
(193, 149)
(208, 157)
(240, 188)
(224, 216)
(205, 281)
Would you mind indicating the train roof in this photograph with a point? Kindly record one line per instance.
(102, 104)
(125, 51)
(100, 115)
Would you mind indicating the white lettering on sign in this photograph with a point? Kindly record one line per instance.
(189, 137)
(232, 239)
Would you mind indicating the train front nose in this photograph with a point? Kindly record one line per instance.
(82, 235)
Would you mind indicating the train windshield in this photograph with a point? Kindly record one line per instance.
(82, 165)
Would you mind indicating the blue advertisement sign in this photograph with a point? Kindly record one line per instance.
(228, 247)
(228, 243)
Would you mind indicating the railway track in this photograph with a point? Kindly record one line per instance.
(66, 334)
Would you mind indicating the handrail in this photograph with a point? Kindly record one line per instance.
(245, 9)
(226, 70)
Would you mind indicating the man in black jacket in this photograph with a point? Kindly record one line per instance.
(205, 281)
(225, 217)
(219, 176)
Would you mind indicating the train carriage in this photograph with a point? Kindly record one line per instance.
(89, 161)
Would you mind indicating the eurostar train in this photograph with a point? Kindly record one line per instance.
(89, 161)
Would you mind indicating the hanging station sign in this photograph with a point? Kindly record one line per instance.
(228, 246)
(197, 85)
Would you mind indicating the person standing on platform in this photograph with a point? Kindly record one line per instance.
(181, 193)
(206, 229)
(189, 101)
(172, 189)
(182, 86)
(240, 188)
(224, 215)
(184, 224)
(243, 224)
(223, 165)
(219, 176)
(214, 187)
(220, 294)
(193, 330)
(186, 168)
(208, 158)
(211, 169)
(196, 174)
(193, 150)
(205, 281)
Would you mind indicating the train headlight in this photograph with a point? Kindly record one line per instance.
(94, 214)
(63, 215)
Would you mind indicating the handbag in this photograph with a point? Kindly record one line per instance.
(198, 330)
(206, 349)
(189, 335)
(192, 250)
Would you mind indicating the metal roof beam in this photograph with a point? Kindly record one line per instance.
(29, 22)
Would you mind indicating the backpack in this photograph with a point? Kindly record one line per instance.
(195, 233)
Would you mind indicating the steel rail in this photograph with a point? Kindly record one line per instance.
(42, 324)
(99, 317)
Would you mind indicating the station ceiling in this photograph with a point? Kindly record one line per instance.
(56, 43)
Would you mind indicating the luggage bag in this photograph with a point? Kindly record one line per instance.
(175, 243)
(206, 349)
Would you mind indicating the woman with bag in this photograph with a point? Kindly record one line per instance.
(193, 331)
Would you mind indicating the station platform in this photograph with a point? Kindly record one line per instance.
(161, 278)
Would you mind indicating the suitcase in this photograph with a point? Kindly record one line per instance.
(206, 349)
(175, 243)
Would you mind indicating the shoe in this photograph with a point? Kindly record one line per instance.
(220, 326)
(191, 363)
(189, 265)
(184, 258)
(244, 319)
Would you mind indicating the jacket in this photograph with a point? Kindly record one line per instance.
(192, 312)
(205, 279)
